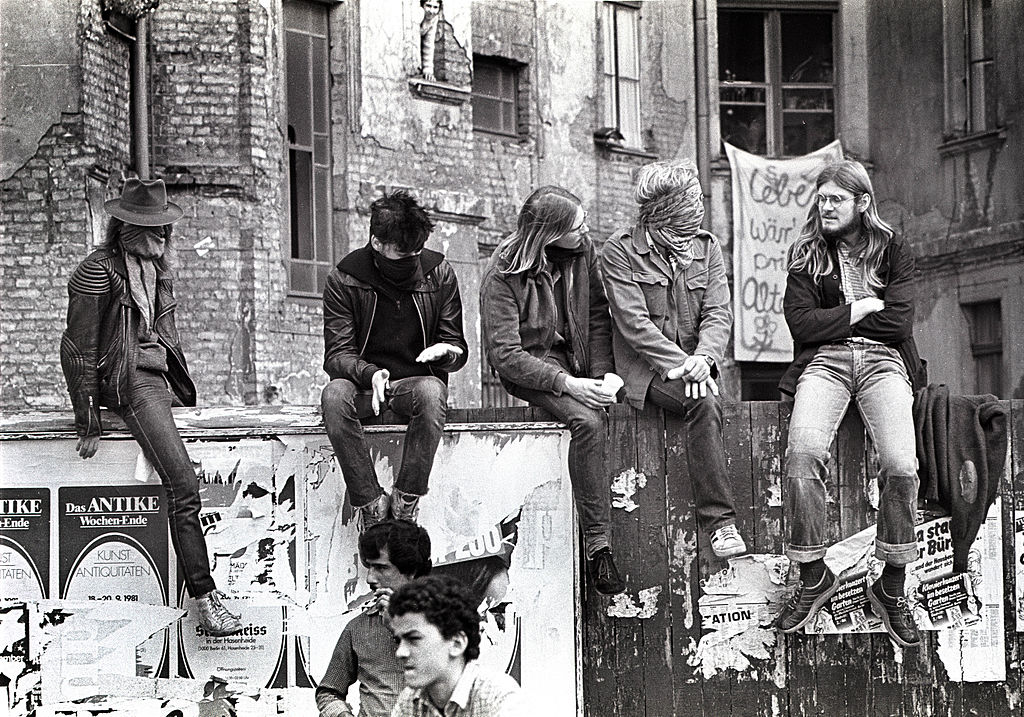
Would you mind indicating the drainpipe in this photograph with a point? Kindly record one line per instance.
(140, 99)
(702, 101)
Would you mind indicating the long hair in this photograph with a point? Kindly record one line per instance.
(809, 252)
(112, 241)
(547, 214)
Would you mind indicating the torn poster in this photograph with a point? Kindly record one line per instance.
(1018, 553)
(282, 545)
(735, 613)
(24, 543)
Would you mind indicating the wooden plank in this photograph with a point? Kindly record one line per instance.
(688, 694)
(653, 553)
(628, 546)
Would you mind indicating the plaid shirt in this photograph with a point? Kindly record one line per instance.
(853, 283)
(478, 693)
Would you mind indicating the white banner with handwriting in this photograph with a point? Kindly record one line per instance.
(770, 199)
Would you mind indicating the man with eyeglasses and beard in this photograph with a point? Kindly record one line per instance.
(850, 310)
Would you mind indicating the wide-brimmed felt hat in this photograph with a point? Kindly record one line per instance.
(144, 203)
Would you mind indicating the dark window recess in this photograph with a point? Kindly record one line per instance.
(310, 255)
(776, 81)
(986, 324)
(760, 381)
(496, 106)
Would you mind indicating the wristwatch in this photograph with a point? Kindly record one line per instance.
(711, 361)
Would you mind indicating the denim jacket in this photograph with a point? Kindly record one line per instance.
(641, 289)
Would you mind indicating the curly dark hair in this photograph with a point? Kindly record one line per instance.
(445, 604)
(408, 546)
(397, 219)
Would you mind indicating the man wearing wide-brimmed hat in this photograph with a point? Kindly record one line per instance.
(120, 350)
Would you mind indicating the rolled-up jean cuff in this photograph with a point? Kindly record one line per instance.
(805, 553)
(896, 553)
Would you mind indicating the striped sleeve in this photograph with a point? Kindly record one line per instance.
(90, 279)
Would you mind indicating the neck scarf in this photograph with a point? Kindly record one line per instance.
(402, 273)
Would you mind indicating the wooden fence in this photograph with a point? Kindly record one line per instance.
(646, 664)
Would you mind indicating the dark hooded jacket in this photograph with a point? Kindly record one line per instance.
(100, 347)
(350, 299)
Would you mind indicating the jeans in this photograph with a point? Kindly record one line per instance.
(423, 400)
(149, 419)
(588, 460)
(874, 376)
(705, 452)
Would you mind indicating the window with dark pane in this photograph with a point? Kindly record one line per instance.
(776, 80)
(309, 154)
(495, 96)
(981, 97)
(986, 325)
(743, 80)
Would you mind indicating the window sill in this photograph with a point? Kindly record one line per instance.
(438, 91)
(627, 151)
(972, 142)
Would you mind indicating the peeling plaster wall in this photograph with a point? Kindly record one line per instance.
(40, 75)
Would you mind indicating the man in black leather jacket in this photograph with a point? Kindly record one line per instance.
(121, 350)
(392, 334)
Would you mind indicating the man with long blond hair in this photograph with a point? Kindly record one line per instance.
(669, 299)
(548, 335)
(849, 308)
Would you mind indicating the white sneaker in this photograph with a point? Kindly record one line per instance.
(726, 541)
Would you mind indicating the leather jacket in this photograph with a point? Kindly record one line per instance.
(99, 348)
(350, 300)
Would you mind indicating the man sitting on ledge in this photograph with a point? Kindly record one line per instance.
(392, 334)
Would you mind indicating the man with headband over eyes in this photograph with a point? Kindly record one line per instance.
(671, 317)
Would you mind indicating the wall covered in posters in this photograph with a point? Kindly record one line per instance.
(95, 607)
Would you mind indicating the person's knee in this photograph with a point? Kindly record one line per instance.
(432, 396)
(899, 465)
(338, 399)
(802, 463)
(591, 424)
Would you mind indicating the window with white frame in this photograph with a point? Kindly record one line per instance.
(980, 66)
(310, 256)
(776, 80)
(621, 69)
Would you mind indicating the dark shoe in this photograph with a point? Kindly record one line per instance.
(805, 602)
(216, 619)
(373, 512)
(605, 575)
(895, 615)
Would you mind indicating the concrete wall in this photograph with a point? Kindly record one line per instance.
(956, 197)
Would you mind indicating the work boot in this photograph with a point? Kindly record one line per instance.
(727, 541)
(372, 513)
(405, 506)
(895, 615)
(216, 619)
(603, 572)
(805, 602)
